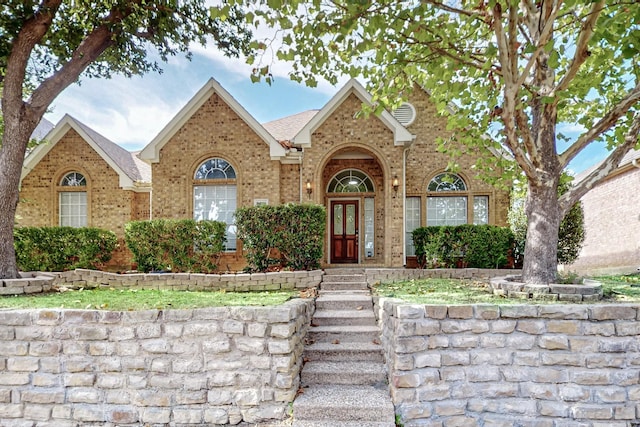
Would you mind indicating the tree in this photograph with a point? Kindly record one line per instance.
(570, 235)
(514, 71)
(46, 45)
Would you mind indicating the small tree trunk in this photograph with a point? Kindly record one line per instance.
(541, 248)
(14, 144)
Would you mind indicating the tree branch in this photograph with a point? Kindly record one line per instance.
(611, 163)
(601, 126)
(94, 44)
(581, 53)
(32, 32)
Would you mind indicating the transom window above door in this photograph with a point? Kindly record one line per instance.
(351, 181)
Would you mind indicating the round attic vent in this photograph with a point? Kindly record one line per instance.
(405, 114)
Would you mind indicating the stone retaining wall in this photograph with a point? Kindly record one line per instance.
(205, 366)
(387, 275)
(513, 365)
(80, 278)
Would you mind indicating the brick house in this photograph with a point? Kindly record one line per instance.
(80, 178)
(379, 177)
(612, 221)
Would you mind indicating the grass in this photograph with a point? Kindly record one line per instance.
(133, 299)
(620, 289)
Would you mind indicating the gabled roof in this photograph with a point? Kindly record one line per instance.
(43, 128)
(131, 170)
(151, 152)
(286, 128)
(401, 136)
(631, 158)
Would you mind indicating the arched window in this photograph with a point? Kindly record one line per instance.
(448, 199)
(72, 199)
(215, 195)
(351, 181)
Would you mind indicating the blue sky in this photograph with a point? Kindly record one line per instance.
(132, 111)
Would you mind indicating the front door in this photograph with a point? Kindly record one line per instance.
(344, 231)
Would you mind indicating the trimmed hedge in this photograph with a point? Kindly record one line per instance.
(179, 245)
(478, 246)
(62, 248)
(286, 236)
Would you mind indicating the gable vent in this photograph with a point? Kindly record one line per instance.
(405, 114)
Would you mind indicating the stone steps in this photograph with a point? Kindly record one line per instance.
(345, 286)
(344, 380)
(343, 302)
(343, 317)
(348, 373)
(357, 333)
(341, 403)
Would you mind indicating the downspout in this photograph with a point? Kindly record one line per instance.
(404, 201)
(301, 183)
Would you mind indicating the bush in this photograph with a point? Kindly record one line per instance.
(182, 245)
(62, 248)
(289, 236)
(478, 246)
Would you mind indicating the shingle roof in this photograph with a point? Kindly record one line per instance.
(286, 128)
(627, 159)
(130, 164)
(43, 128)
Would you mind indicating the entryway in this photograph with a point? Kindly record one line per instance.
(344, 231)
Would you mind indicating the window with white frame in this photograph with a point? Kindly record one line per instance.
(351, 181)
(412, 221)
(215, 196)
(448, 199)
(72, 199)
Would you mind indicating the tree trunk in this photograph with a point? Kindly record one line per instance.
(14, 144)
(541, 247)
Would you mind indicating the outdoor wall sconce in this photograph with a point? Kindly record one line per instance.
(309, 189)
(395, 184)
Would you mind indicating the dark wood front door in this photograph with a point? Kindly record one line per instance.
(344, 231)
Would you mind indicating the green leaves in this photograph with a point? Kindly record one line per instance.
(285, 236)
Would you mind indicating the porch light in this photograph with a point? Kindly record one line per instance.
(309, 189)
(395, 184)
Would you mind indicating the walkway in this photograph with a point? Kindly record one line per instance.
(344, 381)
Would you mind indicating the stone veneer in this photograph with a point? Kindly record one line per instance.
(206, 366)
(42, 282)
(513, 365)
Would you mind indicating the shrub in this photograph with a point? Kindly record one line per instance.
(62, 248)
(289, 236)
(479, 246)
(176, 245)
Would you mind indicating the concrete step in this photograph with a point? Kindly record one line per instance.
(353, 404)
(343, 352)
(344, 302)
(308, 423)
(343, 286)
(345, 278)
(348, 373)
(356, 333)
(343, 271)
(343, 318)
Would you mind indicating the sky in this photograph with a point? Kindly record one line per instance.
(132, 111)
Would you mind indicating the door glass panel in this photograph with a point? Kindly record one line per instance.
(351, 219)
(337, 219)
(368, 226)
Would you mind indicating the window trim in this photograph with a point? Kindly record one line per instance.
(211, 182)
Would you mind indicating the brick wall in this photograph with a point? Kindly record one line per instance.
(211, 366)
(214, 130)
(525, 365)
(612, 224)
(109, 206)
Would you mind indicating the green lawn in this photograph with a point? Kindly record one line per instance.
(452, 291)
(132, 299)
